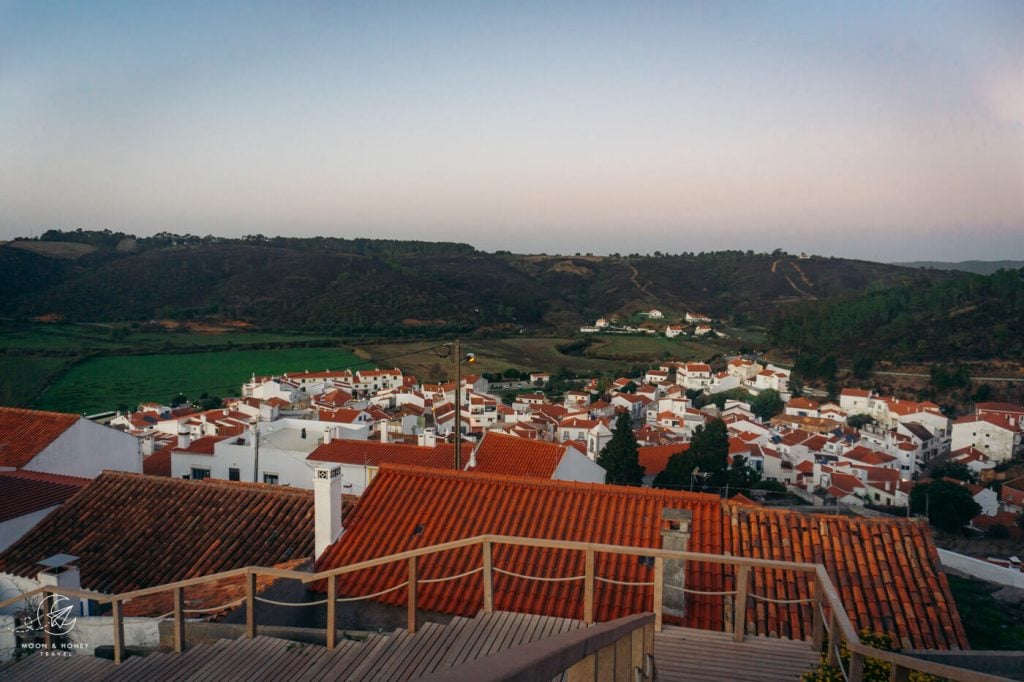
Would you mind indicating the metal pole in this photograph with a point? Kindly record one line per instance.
(256, 453)
(457, 351)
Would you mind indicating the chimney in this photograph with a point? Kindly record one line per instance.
(326, 507)
(429, 437)
(184, 436)
(382, 426)
(327, 436)
(677, 538)
(58, 572)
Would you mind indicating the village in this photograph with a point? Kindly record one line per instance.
(313, 470)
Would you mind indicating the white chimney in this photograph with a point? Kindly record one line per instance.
(327, 435)
(382, 425)
(184, 436)
(59, 571)
(326, 507)
(429, 437)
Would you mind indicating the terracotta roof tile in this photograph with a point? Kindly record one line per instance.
(886, 570)
(504, 454)
(374, 453)
(159, 463)
(24, 492)
(26, 433)
(133, 531)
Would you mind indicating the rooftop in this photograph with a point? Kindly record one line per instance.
(24, 492)
(886, 570)
(26, 433)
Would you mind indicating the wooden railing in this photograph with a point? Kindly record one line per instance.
(830, 620)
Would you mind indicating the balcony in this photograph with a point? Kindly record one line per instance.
(502, 645)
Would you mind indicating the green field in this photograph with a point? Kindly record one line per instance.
(608, 354)
(21, 378)
(105, 383)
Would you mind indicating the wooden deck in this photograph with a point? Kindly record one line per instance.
(393, 657)
(686, 654)
(679, 653)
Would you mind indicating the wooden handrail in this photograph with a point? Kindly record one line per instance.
(841, 628)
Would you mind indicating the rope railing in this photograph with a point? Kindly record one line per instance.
(375, 594)
(540, 578)
(291, 603)
(625, 583)
(830, 613)
(423, 581)
(770, 600)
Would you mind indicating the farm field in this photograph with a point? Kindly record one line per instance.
(22, 376)
(607, 354)
(108, 382)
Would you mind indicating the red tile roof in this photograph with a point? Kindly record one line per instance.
(24, 492)
(374, 453)
(133, 531)
(503, 454)
(159, 463)
(886, 570)
(655, 458)
(26, 433)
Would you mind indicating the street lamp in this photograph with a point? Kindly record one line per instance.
(458, 358)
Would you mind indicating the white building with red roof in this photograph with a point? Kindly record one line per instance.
(694, 376)
(988, 433)
(64, 444)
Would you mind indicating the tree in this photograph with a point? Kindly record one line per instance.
(767, 404)
(620, 457)
(957, 470)
(949, 506)
(708, 459)
(862, 366)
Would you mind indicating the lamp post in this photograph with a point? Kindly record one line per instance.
(458, 359)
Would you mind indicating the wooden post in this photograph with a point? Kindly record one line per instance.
(118, 631)
(485, 549)
(411, 625)
(47, 638)
(179, 619)
(833, 638)
(818, 617)
(659, 591)
(739, 606)
(332, 612)
(588, 588)
(250, 604)
(856, 667)
(899, 673)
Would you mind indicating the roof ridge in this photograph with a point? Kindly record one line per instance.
(212, 482)
(545, 482)
(25, 410)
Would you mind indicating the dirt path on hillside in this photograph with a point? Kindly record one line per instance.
(805, 294)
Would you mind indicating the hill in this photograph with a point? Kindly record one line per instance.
(402, 288)
(978, 267)
(966, 317)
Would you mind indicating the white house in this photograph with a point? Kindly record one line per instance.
(989, 434)
(64, 444)
(673, 330)
(278, 455)
(694, 375)
(854, 400)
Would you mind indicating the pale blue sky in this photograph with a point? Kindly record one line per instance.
(891, 131)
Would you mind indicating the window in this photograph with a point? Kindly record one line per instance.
(199, 473)
(233, 474)
(270, 478)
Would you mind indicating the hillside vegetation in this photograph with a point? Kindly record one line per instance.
(402, 288)
(967, 317)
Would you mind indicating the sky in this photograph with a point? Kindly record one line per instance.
(879, 130)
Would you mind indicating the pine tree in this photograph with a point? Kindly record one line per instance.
(621, 457)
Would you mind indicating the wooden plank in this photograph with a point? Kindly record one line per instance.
(739, 616)
(388, 660)
(332, 613)
(470, 630)
(178, 595)
(369, 661)
(485, 549)
(327, 659)
(588, 589)
(432, 656)
(411, 597)
(193, 659)
(402, 664)
(118, 631)
(250, 605)
(659, 592)
(493, 633)
(218, 666)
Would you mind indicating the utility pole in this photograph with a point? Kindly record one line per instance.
(457, 354)
(256, 451)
